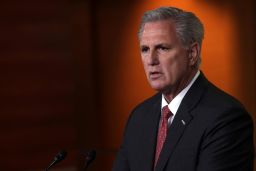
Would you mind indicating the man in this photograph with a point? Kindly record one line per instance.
(190, 125)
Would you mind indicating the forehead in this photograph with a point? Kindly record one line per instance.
(153, 31)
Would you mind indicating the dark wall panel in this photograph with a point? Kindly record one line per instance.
(37, 84)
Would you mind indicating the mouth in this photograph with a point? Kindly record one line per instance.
(154, 75)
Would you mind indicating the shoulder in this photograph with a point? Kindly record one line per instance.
(218, 108)
(218, 99)
(146, 109)
(211, 104)
(210, 95)
(149, 103)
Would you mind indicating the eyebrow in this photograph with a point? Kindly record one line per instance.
(157, 45)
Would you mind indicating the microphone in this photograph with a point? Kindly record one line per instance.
(90, 156)
(59, 157)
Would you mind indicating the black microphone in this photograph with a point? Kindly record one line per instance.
(90, 156)
(59, 157)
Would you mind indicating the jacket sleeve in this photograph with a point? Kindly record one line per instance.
(228, 143)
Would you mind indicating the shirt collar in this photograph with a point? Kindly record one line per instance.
(175, 103)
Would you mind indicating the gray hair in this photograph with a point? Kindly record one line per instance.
(188, 26)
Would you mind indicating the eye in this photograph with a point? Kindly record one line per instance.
(144, 49)
(163, 48)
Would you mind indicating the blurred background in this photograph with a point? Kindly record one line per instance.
(71, 73)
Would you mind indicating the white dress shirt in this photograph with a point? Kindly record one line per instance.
(175, 103)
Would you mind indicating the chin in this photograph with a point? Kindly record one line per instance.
(157, 87)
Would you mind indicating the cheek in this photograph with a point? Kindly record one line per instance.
(169, 72)
(168, 64)
(171, 68)
(143, 59)
(145, 65)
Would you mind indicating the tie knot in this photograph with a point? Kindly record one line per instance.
(166, 112)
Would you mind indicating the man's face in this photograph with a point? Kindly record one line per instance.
(166, 62)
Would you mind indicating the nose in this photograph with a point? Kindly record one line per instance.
(153, 58)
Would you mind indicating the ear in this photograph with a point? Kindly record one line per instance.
(194, 51)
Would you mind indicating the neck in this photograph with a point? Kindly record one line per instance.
(173, 91)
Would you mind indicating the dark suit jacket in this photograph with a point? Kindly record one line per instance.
(217, 134)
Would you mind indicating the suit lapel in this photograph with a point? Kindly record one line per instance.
(181, 120)
(175, 132)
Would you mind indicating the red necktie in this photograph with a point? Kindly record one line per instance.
(162, 131)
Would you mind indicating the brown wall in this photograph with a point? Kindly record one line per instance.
(71, 73)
